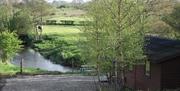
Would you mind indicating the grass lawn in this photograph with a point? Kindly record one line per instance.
(11, 70)
(69, 33)
(57, 29)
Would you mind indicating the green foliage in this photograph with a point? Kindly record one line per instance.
(38, 8)
(164, 21)
(4, 18)
(77, 21)
(132, 47)
(60, 51)
(67, 22)
(106, 66)
(21, 22)
(116, 33)
(9, 46)
(51, 22)
(173, 19)
(60, 45)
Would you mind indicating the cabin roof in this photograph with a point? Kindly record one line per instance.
(160, 50)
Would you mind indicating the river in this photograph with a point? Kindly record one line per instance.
(33, 59)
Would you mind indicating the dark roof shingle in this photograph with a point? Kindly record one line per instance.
(160, 50)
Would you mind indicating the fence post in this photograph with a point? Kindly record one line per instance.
(72, 66)
(21, 66)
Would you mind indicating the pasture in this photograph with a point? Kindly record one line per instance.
(60, 44)
(62, 30)
(67, 33)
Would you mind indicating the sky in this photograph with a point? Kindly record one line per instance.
(64, 0)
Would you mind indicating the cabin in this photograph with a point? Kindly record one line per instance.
(164, 67)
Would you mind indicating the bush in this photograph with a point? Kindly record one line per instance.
(51, 22)
(9, 45)
(67, 22)
(62, 6)
(21, 23)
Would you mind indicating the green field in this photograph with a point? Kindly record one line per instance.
(62, 30)
(60, 44)
(67, 33)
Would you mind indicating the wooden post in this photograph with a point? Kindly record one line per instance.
(72, 65)
(21, 66)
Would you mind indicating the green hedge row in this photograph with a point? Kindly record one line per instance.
(66, 22)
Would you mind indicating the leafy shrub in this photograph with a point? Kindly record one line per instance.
(67, 22)
(21, 22)
(9, 45)
(51, 22)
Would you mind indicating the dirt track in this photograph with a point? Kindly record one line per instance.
(48, 83)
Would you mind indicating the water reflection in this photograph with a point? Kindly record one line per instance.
(36, 60)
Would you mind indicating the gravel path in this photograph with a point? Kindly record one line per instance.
(48, 83)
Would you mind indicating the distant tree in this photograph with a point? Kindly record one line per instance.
(162, 21)
(4, 18)
(9, 46)
(38, 9)
(21, 22)
(173, 19)
(159, 7)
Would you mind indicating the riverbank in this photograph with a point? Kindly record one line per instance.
(8, 70)
(61, 45)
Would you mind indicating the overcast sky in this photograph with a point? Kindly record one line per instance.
(64, 0)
